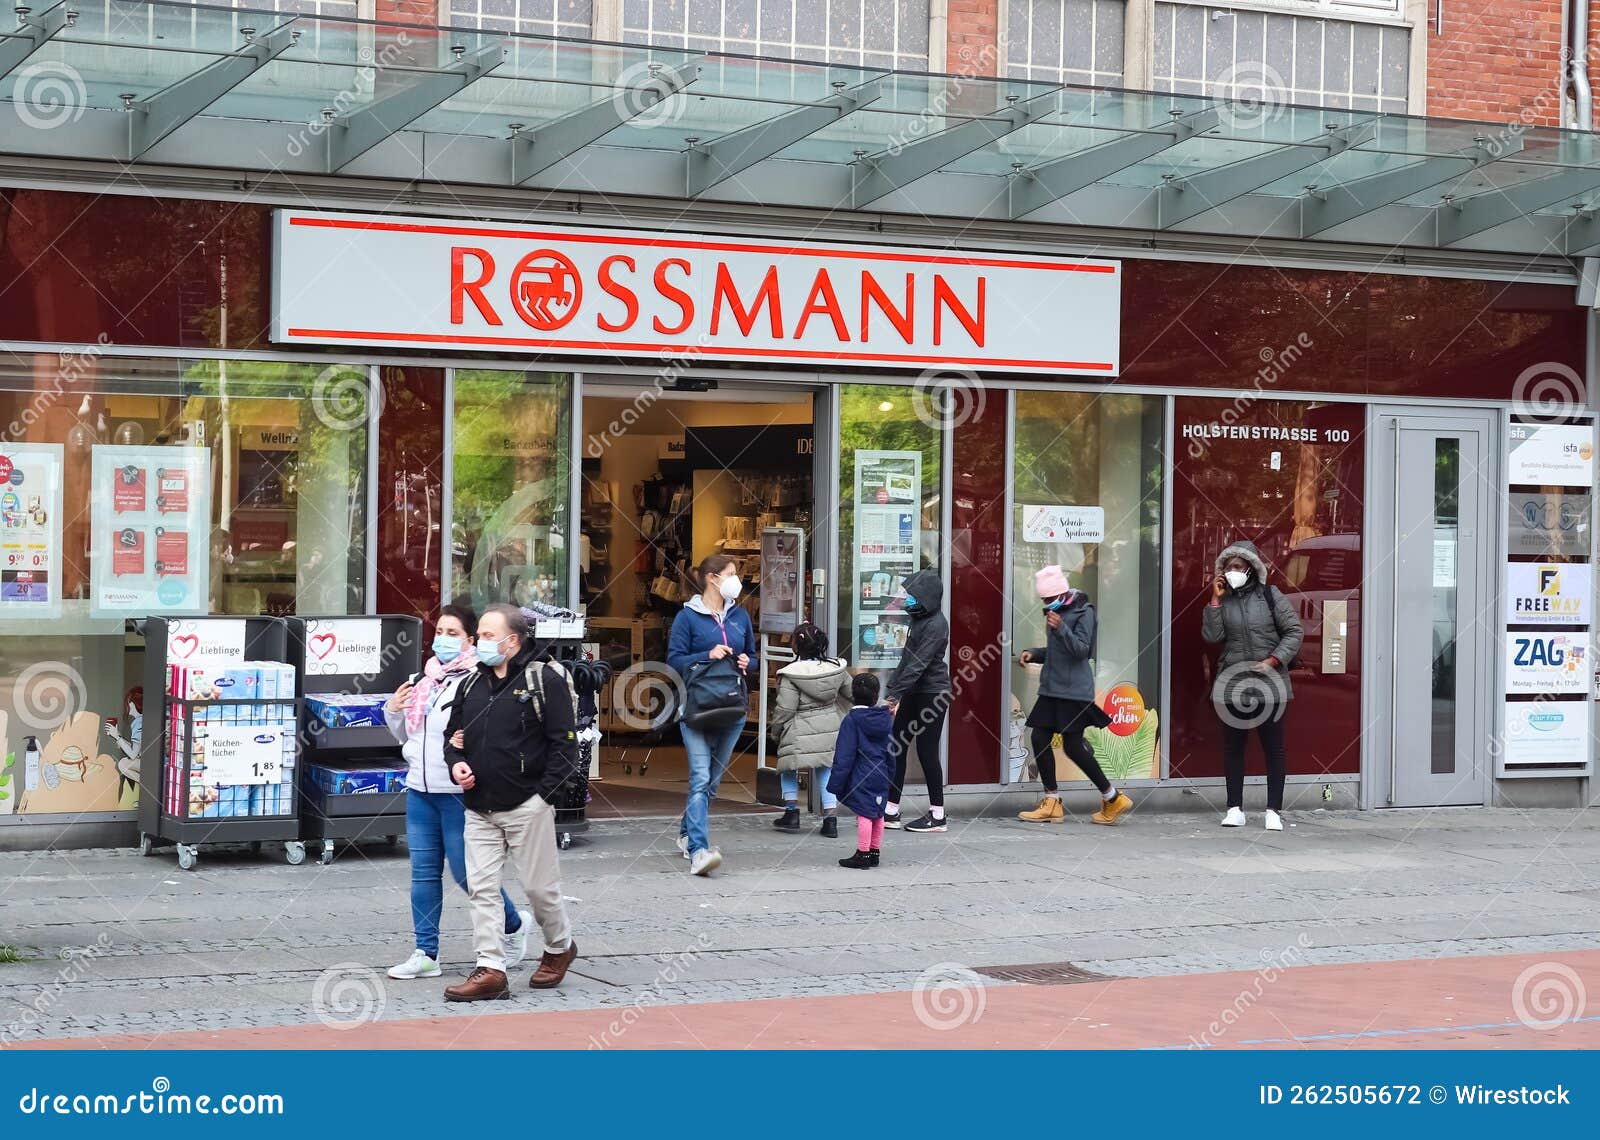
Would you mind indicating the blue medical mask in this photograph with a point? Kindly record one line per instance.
(446, 649)
(489, 652)
(911, 603)
(1056, 606)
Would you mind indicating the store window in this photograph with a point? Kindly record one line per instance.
(1087, 474)
(1288, 476)
(1277, 59)
(140, 486)
(891, 34)
(889, 516)
(1065, 41)
(511, 492)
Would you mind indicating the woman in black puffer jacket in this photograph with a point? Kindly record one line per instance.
(1260, 634)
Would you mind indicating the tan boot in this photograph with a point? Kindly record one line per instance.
(1048, 811)
(1111, 810)
(483, 984)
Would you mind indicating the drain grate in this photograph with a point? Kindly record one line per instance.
(1042, 974)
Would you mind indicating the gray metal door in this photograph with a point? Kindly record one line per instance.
(1432, 489)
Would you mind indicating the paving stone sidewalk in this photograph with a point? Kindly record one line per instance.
(116, 943)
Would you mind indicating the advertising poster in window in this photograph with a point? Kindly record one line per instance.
(1547, 524)
(888, 535)
(151, 521)
(30, 530)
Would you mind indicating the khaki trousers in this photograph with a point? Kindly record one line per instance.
(525, 837)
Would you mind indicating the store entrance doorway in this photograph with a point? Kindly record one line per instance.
(1432, 534)
(668, 478)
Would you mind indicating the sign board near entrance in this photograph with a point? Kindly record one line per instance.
(1542, 662)
(1546, 734)
(374, 279)
(1548, 593)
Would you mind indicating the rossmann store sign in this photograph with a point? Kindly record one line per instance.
(381, 280)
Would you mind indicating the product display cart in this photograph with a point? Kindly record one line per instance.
(558, 636)
(217, 758)
(352, 774)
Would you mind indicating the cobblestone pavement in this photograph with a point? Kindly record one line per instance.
(116, 943)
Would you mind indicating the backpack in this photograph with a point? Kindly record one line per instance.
(533, 678)
(1272, 607)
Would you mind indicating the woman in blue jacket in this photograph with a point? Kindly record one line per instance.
(709, 627)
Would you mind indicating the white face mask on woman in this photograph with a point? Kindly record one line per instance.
(1237, 578)
(729, 587)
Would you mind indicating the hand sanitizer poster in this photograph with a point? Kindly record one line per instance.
(151, 516)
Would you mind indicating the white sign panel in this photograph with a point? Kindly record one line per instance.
(1063, 524)
(1544, 733)
(1545, 662)
(1551, 455)
(150, 514)
(30, 530)
(216, 642)
(373, 279)
(243, 754)
(344, 646)
(1549, 593)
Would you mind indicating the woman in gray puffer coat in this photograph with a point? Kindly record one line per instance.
(1260, 634)
(813, 697)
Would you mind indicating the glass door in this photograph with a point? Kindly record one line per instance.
(1434, 717)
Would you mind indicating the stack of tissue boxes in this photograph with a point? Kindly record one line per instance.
(247, 681)
(358, 777)
(347, 710)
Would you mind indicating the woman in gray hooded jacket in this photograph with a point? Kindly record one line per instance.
(1260, 634)
(813, 697)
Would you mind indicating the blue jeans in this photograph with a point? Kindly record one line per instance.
(709, 753)
(790, 782)
(435, 826)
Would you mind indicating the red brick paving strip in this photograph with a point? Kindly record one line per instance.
(1449, 1003)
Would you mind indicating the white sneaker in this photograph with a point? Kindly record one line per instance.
(516, 945)
(683, 845)
(1274, 823)
(706, 860)
(419, 965)
(1234, 818)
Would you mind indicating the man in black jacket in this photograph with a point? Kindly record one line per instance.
(510, 744)
(919, 697)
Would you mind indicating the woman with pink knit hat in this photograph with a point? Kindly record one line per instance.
(1066, 702)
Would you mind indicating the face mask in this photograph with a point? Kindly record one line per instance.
(489, 652)
(911, 603)
(729, 587)
(446, 649)
(1237, 578)
(1056, 606)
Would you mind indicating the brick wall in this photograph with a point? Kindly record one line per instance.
(421, 12)
(1498, 60)
(971, 45)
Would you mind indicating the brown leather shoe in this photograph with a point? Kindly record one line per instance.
(553, 967)
(483, 984)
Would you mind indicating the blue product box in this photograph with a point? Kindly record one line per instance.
(351, 781)
(346, 710)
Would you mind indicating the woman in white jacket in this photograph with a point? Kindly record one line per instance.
(435, 820)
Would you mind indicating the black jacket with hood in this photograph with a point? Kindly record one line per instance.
(1251, 624)
(922, 670)
(515, 754)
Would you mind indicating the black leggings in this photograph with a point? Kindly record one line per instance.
(919, 724)
(1079, 750)
(1233, 746)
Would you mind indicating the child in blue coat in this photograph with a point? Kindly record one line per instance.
(863, 772)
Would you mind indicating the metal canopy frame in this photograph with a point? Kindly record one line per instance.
(196, 87)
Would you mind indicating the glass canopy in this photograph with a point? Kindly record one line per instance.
(168, 84)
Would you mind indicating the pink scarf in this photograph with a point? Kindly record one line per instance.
(433, 675)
